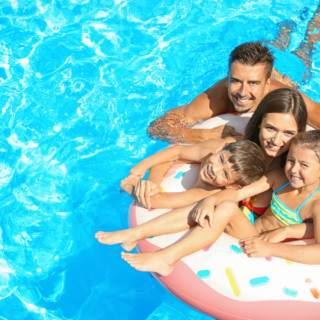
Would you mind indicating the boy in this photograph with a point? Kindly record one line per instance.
(236, 165)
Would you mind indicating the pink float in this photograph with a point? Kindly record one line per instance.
(220, 280)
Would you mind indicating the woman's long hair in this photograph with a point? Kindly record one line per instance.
(282, 100)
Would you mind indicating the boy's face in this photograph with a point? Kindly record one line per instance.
(217, 170)
(302, 167)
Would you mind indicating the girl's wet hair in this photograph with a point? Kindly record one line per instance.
(247, 161)
(282, 100)
(309, 140)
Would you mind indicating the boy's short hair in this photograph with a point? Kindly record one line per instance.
(252, 53)
(248, 161)
(309, 140)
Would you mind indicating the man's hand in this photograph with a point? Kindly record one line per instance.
(144, 189)
(255, 247)
(222, 131)
(202, 211)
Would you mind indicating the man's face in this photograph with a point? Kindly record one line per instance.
(247, 85)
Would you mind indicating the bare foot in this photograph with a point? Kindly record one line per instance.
(150, 262)
(125, 238)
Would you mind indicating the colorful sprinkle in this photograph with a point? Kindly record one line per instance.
(150, 238)
(233, 282)
(269, 259)
(289, 262)
(163, 190)
(235, 249)
(313, 289)
(149, 210)
(170, 173)
(290, 292)
(257, 282)
(203, 274)
(179, 175)
(207, 247)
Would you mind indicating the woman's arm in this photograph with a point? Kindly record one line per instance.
(309, 254)
(296, 231)
(194, 153)
(168, 200)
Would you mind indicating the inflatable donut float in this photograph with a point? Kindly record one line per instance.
(220, 280)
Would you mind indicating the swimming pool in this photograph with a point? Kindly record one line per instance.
(80, 81)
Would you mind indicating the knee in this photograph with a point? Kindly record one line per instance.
(226, 208)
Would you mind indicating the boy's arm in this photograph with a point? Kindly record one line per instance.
(206, 208)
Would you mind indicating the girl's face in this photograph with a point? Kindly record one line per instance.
(276, 133)
(217, 170)
(302, 167)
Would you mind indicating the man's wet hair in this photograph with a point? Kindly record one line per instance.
(252, 53)
(309, 140)
(247, 161)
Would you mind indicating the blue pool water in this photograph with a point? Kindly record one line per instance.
(80, 81)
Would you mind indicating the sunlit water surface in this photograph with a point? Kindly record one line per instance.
(80, 81)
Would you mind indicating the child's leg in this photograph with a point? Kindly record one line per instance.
(227, 216)
(174, 221)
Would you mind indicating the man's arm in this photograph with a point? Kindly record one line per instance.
(313, 107)
(174, 125)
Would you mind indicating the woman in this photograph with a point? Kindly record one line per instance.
(279, 117)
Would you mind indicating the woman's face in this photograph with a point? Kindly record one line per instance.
(276, 133)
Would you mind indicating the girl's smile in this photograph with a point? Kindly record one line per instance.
(302, 167)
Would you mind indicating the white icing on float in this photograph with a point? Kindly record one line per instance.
(221, 280)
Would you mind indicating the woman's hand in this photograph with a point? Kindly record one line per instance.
(202, 211)
(144, 189)
(274, 236)
(255, 247)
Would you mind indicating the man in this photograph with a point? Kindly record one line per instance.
(248, 81)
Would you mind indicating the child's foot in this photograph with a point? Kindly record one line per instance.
(124, 237)
(150, 262)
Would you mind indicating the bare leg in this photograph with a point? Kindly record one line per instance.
(227, 217)
(174, 221)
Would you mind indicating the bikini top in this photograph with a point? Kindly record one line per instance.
(285, 214)
(257, 210)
